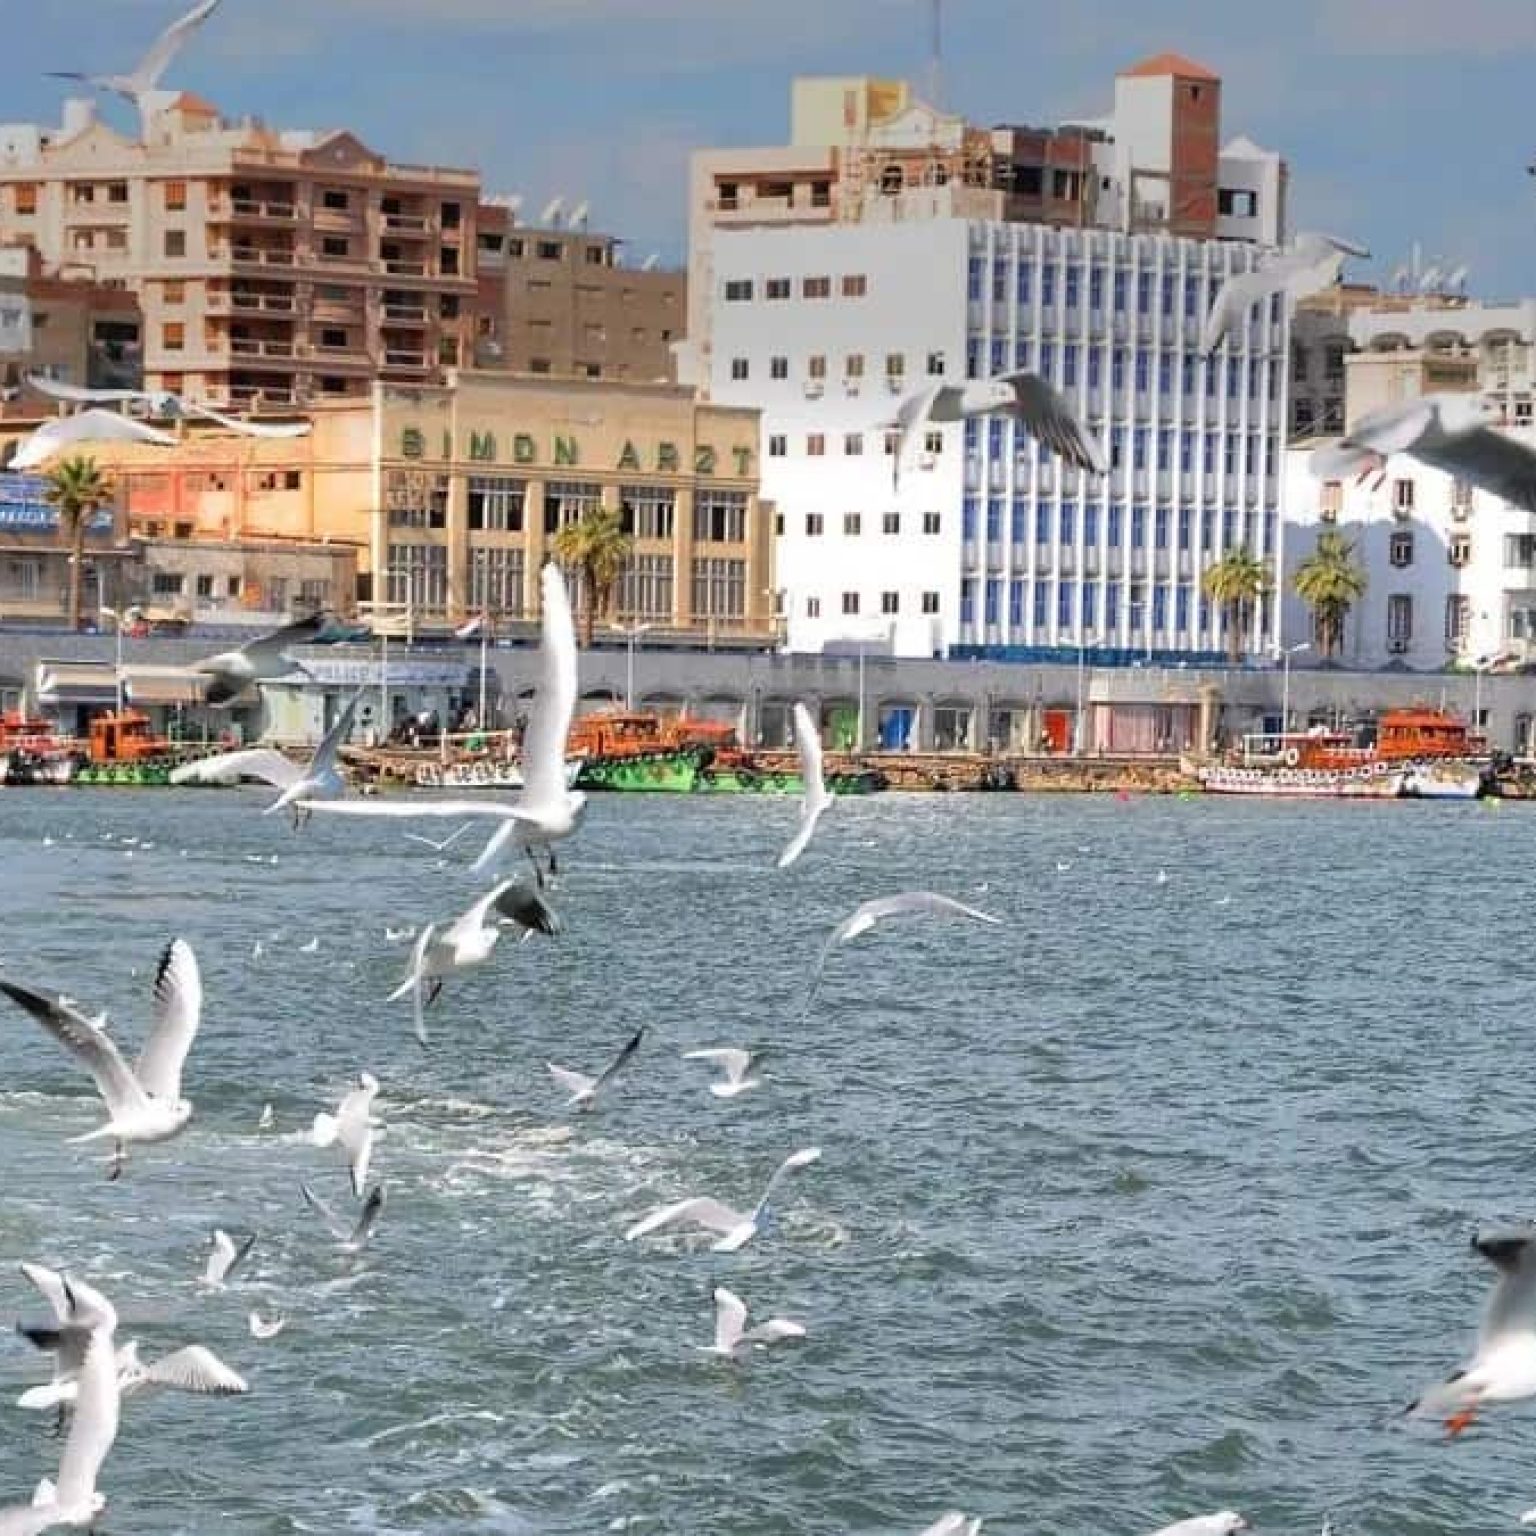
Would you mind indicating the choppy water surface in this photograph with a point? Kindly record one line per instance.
(1152, 1201)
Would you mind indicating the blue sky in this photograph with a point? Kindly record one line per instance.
(1403, 120)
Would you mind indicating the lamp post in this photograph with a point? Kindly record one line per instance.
(1285, 653)
(1078, 734)
(1482, 665)
(117, 629)
(631, 633)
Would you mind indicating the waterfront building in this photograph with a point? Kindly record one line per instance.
(272, 268)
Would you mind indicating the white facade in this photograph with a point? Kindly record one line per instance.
(1450, 571)
(1019, 555)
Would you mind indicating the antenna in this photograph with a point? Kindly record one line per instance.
(936, 54)
(579, 214)
(651, 262)
(550, 214)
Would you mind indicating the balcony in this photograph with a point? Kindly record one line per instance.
(416, 361)
(261, 303)
(399, 268)
(405, 314)
(257, 256)
(343, 311)
(247, 346)
(405, 224)
(225, 210)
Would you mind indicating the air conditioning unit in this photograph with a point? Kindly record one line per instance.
(895, 383)
(851, 386)
(1461, 511)
(814, 389)
(1397, 647)
(927, 460)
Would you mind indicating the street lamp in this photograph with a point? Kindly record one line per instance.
(1084, 641)
(1482, 665)
(117, 630)
(1285, 652)
(631, 633)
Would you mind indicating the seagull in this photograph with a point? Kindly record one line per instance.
(469, 940)
(267, 1119)
(262, 1329)
(144, 1103)
(583, 1089)
(193, 1369)
(230, 673)
(1162, 877)
(1224, 1522)
(163, 403)
(954, 1524)
(96, 426)
(440, 845)
(1311, 263)
(398, 935)
(321, 780)
(546, 811)
(816, 800)
(352, 1237)
(147, 73)
(736, 1064)
(224, 1255)
(863, 918)
(86, 1328)
(352, 1128)
(1450, 432)
(1041, 410)
(1503, 1366)
(732, 1334)
(736, 1228)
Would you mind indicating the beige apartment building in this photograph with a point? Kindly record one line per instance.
(272, 268)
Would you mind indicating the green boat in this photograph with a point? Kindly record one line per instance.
(751, 781)
(670, 772)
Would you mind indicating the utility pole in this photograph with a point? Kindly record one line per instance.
(936, 55)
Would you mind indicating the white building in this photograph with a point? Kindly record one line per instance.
(991, 546)
(1450, 571)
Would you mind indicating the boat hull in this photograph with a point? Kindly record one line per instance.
(1302, 783)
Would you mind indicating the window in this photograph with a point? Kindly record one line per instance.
(496, 503)
(1400, 550)
(776, 288)
(853, 366)
(850, 604)
(890, 522)
(933, 442)
(1234, 203)
(739, 368)
(205, 586)
(232, 586)
(778, 367)
(930, 602)
(1520, 550)
(335, 246)
(719, 588)
(1402, 497)
(853, 524)
(778, 446)
(416, 498)
(816, 288)
(895, 365)
(930, 522)
(720, 517)
(853, 444)
(568, 501)
(648, 511)
(816, 366)
(82, 192)
(175, 242)
(890, 602)
(815, 445)
(1459, 552)
(496, 579)
(645, 588)
(26, 197)
(335, 199)
(173, 336)
(935, 364)
(117, 191)
(815, 523)
(855, 285)
(417, 575)
(174, 293)
(1399, 620)
(549, 250)
(738, 289)
(1458, 617)
(166, 583)
(813, 607)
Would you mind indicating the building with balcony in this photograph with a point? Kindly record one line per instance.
(35, 560)
(272, 269)
(865, 150)
(989, 546)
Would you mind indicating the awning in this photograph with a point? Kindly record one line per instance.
(170, 686)
(75, 682)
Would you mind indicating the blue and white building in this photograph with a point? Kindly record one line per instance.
(990, 546)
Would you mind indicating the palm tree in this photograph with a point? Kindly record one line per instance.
(77, 487)
(1236, 582)
(596, 549)
(1330, 581)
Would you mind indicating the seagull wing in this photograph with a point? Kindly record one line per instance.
(1235, 299)
(1340, 460)
(952, 1524)
(905, 904)
(88, 1042)
(78, 394)
(441, 809)
(1314, 246)
(227, 1255)
(808, 745)
(700, 1211)
(1485, 457)
(577, 1084)
(800, 1159)
(194, 1369)
(734, 1063)
(178, 1010)
(1511, 1308)
(88, 426)
(912, 417)
(620, 1061)
(730, 1319)
(266, 654)
(146, 76)
(263, 763)
(1045, 414)
(328, 753)
(367, 1220)
(774, 1331)
(521, 904)
(549, 723)
(340, 1230)
(98, 1406)
(268, 429)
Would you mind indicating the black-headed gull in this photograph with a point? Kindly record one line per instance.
(736, 1228)
(351, 1236)
(352, 1128)
(146, 75)
(815, 800)
(1309, 264)
(736, 1064)
(732, 1335)
(230, 673)
(225, 1255)
(144, 1103)
(584, 1090)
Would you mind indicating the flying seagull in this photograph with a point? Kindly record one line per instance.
(1041, 410)
(954, 1524)
(262, 1330)
(815, 799)
(583, 1089)
(148, 72)
(144, 1103)
(736, 1064)
(1503, 1366)
(864, 917)
(351, 1236)
(320, 780)
(732, 1335)
(546, 811)
(1225, 1522)
(1311, 263)
(225, 1255)
(736, 1228)
(440, 845)
(86, 1332)
(469, 940)
(66, 432)
(1450, 432)
(352, 1128)
(163, 403)
(230, 673)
